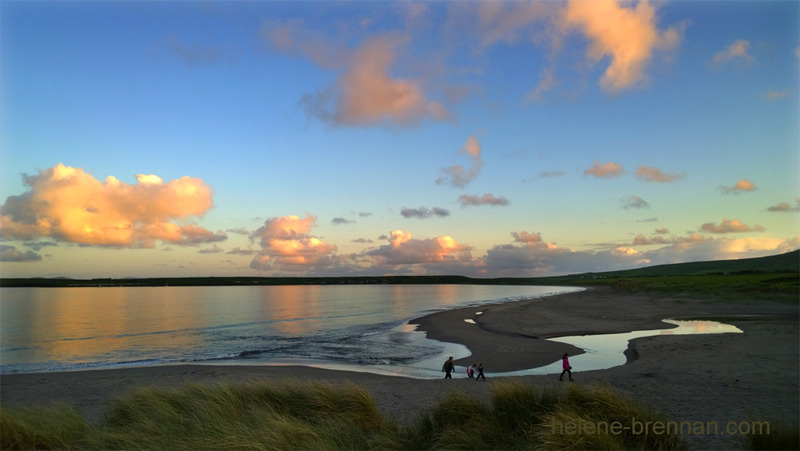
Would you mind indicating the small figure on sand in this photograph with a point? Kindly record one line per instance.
(471, 371)
(566, 366)
(480, 372)
(448, 367)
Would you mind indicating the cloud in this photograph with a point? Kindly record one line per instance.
(547, 82)
(641, 240)
(67, 204)
(423, 212)
(286, 244)
(634, 202)
(738, 51)
(487, 199)
(730, 226)
(11, 254)
(337, 221)
(507, 21)
(662, 231)
(240, 251)
(536, 257)
(774, 95)
(740, 186)
(39, 245)
(458, 175)
(627, 36)
(196, 53)
(707, 249)
(405, 250)
(784, 207)
(549, 174)
(605, 170)
(527, 238)
(293, 37)
(213, 250)
(367, 94)
(652, 174)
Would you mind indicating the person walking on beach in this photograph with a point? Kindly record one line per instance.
(471, 371)
(480, 372)
(448, 367)
(566, 366)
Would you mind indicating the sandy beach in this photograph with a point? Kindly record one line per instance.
(708, 378)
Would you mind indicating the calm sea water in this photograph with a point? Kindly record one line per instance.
(350, 326)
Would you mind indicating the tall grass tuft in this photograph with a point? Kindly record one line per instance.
(597, 417)
(57, 427)
(779, 437)
(326, 417)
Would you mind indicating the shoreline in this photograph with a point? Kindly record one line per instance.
(715, 377)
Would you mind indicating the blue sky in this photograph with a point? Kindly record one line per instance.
(335, 138)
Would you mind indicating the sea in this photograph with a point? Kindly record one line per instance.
(352, 327)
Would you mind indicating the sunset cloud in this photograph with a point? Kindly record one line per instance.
(738, 51)
(533, 256)
(11, 254)
(605, 170)
(784, 207)
(487, 199)
(634, 202)
(527, 238)
(286, 243)
(367, 94)
(774, 95)
(641, 240)
(458, 175)
(730, 226)
(740, 186)
(628, 37)
(703, 248)
(68, 204)
(423, 212)
(403, 249)
(652, 174)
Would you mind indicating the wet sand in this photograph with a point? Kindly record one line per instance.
(708, 378)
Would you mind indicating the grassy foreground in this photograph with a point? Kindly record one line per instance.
(321, 416)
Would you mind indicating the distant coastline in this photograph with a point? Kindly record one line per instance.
(776, 264)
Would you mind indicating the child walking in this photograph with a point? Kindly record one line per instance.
(566, 366)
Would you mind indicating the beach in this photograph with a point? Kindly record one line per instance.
(712, 379)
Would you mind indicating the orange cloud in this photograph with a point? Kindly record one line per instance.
(366, 93)
(286, 243)
(605, 170)
(458, 175)
(738, 51)
(529, 239)
(730, 226)
(70, 205)
(405, 250)
(652, 174)
(741, 185)
(487, 199)
(628, 36)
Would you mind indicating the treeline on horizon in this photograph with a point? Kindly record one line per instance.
(783, 263)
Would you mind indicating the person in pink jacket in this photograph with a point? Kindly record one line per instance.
(566, 366)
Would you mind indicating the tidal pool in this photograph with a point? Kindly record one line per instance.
(605, 351)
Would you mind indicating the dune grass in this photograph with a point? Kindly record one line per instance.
(327, 417)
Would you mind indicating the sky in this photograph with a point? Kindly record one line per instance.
(479, 138)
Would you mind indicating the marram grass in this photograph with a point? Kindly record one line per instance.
(327, 417)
